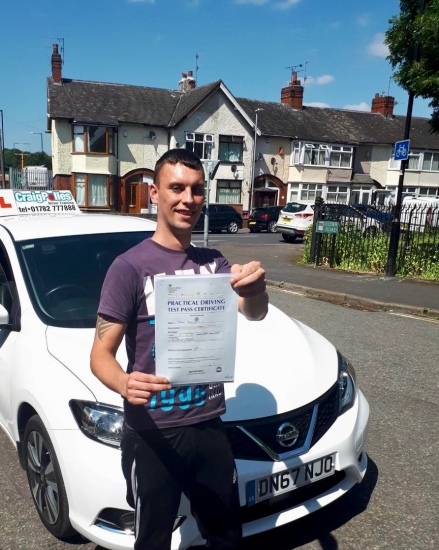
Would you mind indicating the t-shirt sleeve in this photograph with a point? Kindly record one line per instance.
(119, 291)
(223, 265)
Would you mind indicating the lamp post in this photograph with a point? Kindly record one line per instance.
(41, 137)
(254, 160)
(2, 152)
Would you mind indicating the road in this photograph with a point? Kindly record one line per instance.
(396, 506)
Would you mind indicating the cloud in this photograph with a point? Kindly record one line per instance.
(363, 20)
(320, 80)
(286, 4)
(377, 46)
(319, 104)
(256, 2)
(282, 5)
(363, 106)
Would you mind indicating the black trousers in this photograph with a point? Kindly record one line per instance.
(160, 465)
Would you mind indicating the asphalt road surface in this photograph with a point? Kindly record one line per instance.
(395, 507)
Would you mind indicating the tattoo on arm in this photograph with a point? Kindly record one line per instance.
(104, 323)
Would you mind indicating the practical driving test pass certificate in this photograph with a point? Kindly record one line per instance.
(195, 328)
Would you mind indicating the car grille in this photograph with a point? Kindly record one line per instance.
(256, 439)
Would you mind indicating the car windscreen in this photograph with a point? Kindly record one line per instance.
(64, 275)
(294, 207)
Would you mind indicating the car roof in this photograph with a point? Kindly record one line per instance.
(38, 227)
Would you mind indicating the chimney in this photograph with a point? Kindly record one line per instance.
(56, 65)
(383, 104)
(292, 94)
(191, 80)
(187, 82)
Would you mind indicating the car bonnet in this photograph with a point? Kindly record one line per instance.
(281, 365)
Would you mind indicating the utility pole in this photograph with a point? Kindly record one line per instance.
(21, 153)
(396, 225)
(250, 208)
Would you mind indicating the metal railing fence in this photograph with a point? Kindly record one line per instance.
(357, 238)
(30, 178)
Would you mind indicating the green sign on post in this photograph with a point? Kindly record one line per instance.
(328, 227)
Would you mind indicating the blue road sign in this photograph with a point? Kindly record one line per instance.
(402, 149)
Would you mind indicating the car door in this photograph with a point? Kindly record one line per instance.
(8, 337)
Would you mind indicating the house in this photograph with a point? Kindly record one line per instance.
(107, 137)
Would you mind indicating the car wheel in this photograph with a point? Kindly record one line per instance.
(232, 227)
(45, 480)
(272, 227)
(288, 238)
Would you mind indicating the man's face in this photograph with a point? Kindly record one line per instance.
(179, 195)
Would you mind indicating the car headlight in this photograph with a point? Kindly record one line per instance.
(102, 423)
(346, 383)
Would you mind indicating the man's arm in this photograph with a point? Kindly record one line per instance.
(249, 281)
(137, 387)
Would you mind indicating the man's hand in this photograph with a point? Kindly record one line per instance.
(249, 281)
(140, 388)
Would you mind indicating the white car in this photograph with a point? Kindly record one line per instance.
(294, 219)
(297, 424)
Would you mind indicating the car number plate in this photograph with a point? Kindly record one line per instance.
(286, 220)
(289, 480)
(252, 223)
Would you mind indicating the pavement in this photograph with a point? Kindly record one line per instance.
(363, 291)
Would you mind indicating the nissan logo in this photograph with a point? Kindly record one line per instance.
(287, 435)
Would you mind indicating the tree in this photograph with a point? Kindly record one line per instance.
(408, 30)
(13, 159)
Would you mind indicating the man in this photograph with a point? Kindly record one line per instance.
(173, 439)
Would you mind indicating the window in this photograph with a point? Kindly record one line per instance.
(338, 193)
(200, 144)
(413, 161)
(294, 192)
(93, 139)
(228, 191)
(315, 154)
(429, 191)
(230, 148)
(341, 156)
(310, 191)
(430, 162)
(91, 190)
(321, 154)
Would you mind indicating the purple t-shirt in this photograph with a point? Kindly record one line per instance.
(128, 295)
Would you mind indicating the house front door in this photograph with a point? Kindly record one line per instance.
(133, 198)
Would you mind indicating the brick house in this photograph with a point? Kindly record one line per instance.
(107, 137)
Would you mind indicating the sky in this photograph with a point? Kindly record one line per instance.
(253, 46)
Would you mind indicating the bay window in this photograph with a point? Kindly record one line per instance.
(92, 190)
(315, 154)
(309, 191)
(337, 193)
(322, 154)
(430, 162)
(93, 139)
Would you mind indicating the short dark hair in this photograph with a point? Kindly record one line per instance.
(178, 156)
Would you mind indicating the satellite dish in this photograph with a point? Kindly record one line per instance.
(234, 168)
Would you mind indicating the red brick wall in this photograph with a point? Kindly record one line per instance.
(62, 182)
